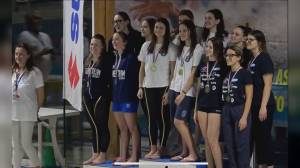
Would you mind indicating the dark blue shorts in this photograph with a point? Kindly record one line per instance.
(183, 111)
(216, 110)
(127, 107)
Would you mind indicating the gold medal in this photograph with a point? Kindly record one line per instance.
(180, 72)
(206, 89)
(153, 68)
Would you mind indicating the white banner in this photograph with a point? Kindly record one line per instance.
(73, 52)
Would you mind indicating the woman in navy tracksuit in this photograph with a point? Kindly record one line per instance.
(237, 94)
(125, 103)
(97, 96)
(263, 104)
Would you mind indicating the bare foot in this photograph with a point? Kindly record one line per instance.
(100, 159)
(120, 159)
(132, 159)
(90, 160)
(155, 155)
(148, 155)
(190, 158)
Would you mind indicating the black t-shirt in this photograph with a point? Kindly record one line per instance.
(247, 55)
(97, 79)
(212, 99)
(260, 66)
(235, 93)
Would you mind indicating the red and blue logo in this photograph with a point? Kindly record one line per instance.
(72, 65)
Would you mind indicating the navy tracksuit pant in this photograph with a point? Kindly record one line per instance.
(236, 141)
(97, 111)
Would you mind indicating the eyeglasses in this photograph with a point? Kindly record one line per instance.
(117, 21)
(250, 39)
(230, 55)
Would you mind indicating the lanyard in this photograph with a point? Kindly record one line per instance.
(90, 70)
(251, 62)
(229, 82)
(90, 77)
(155, 56)
(18, 79)
(212, 69)
(184, 57)
(118, 61)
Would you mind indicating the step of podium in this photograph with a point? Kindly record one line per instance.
(109, 163)
(144, 163)
(167, 163)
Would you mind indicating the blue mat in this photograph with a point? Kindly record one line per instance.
(109, 163)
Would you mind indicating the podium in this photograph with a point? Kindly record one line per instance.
(144, 163)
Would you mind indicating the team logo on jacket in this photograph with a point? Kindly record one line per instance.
(120, 74)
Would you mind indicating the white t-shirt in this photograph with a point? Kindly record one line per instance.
(213, 34)
(37, 44)
(24, 108)
(181, 74)
(159, 77)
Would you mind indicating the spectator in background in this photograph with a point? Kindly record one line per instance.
(5, 46)
(86, 40)
(39, 43)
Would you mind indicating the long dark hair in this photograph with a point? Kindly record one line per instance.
(261, 40)
(193, 36)
(124, 37)
(221, 32)
(187, 13)
(217, 49)
(151, 23)
(247, 55)
(102, 53)
(166, 41)
(125, 17)
(29, 63)
(245, 30)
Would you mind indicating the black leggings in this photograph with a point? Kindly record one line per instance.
(97, 111)
(261, 136)
(157, 115)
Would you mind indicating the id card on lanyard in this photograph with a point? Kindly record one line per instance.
(16, 95)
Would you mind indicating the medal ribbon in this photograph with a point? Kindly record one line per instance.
(208, 75)
(229, 81)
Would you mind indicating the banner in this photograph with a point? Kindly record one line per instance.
(73, 52)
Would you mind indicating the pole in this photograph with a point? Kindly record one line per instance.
(65, 131)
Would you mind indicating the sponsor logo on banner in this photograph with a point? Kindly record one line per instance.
(73, 52)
